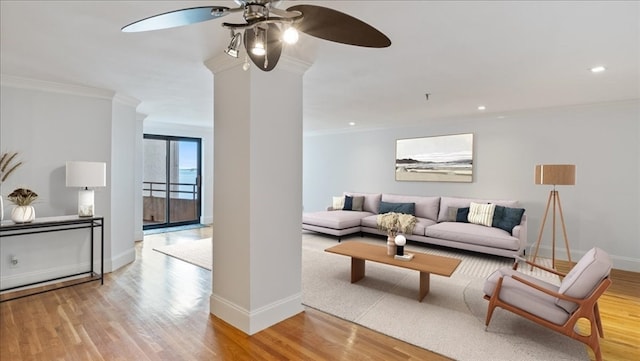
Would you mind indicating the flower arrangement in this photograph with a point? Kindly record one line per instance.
(22, 196)
(7, 165)
(394, 223)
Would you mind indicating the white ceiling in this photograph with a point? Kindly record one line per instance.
(506, 55)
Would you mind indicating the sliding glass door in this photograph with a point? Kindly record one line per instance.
(171, 184)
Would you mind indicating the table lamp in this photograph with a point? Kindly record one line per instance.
(85, 175)
(400, 241)
(554, 174)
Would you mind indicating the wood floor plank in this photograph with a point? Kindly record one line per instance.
(157, 308)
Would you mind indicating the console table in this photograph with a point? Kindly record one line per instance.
(58, 224)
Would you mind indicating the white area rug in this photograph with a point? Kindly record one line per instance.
(196, 252)
(449, 321)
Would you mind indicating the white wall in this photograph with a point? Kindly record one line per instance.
(206, 134)
(602, 209)
(49, 124)
(125, 192)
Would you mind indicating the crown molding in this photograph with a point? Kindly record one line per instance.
(222, 63)
(293, 64)
(53, 87)
(126, 100)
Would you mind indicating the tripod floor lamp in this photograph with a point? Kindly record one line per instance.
(554, 174)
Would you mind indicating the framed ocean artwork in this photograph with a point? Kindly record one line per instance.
(446, 158)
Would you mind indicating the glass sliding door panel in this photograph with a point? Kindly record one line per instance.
(154, 189)
(185, 190)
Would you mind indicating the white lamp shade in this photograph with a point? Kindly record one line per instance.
(86, 174)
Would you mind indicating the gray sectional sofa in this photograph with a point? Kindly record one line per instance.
(436, 223)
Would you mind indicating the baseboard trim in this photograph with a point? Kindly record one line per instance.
(120, 260)
(251, 322)
(619, 262)
(25, 278)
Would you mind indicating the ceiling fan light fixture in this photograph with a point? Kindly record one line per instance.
(272, 27)
(258, 47)
(290, 35)
(234, 46)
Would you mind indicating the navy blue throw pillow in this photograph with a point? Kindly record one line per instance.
(463, 215)
(348, 203)
(506, 218)
(406, 208)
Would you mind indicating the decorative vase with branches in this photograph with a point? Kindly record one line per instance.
(393, 223)
(8, 164)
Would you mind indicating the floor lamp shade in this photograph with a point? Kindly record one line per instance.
(86, 175)
(556, 174)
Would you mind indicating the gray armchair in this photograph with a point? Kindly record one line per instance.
(555, 307)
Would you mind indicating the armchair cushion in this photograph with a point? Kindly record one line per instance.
(524, 297)
(584, 277)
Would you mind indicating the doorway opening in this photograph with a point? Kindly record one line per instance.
(171, 186)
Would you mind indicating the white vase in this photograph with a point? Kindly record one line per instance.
(23, 214)
(391, 245)
(1, 208)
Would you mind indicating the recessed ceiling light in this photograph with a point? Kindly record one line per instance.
(598, 69)
(352, 123)
(481, 107)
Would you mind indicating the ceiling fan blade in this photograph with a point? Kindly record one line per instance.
(177, 18)
(332, 25)
(273, 47)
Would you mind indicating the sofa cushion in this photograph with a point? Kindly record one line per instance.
(481, 213)
(405, 208)
(462, 215)
(371, 201)
(425, 207)
(353, 203)
(473, 234)
(338, 203)
(584, 277)
(533, 301)
(453, 214)
(334, 219)
(370, 221)
(446, 202)
(506, 218)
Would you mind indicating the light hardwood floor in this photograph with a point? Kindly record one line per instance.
(157, 308)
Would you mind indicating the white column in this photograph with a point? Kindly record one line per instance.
(257, 204)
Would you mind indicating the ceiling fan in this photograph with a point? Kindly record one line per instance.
(266, 27)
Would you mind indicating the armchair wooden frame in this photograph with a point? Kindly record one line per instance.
(587, 308)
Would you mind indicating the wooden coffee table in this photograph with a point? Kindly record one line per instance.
(426, 264)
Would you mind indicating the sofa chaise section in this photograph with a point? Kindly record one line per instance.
(340, 223)
(336, 223)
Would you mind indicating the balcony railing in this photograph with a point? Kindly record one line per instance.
(161, 187)
(183, 202)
